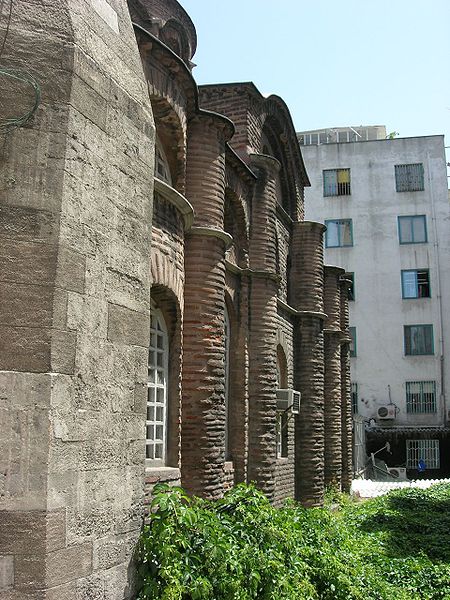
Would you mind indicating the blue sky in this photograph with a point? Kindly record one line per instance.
(335, 63)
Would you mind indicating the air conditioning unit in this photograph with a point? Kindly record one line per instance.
(386, 412)
(398, 473)
(289, 399)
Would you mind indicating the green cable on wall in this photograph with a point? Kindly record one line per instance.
(27, 78)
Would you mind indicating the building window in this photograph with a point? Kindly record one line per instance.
(336, 182)
(409, 178)
(412, 229)
(354, 398)
(418, 339)
(282, 416)
(416, 283)
(352, 331)
(351, 288)
(420, 397)
(156, 424)
(422, 450)
(162, 170)
(339, 233)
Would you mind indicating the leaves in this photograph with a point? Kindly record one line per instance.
(242, 548)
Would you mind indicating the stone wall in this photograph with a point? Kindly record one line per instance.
(74, 301)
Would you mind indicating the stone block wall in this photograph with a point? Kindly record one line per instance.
(74, 301)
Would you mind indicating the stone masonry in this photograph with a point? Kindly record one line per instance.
(158, 286)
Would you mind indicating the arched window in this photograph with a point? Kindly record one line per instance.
(282, 416)
(227, 380)
(158, 360)
(162, 170)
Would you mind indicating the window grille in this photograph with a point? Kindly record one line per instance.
(354, 398)
(339, 233)
(415, 283)
(418, 339)
(336, 182)
(156, 424)
(421, 397)
(412, 229)
(425, 450)
(409, 178)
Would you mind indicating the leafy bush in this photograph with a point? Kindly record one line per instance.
(242, 548)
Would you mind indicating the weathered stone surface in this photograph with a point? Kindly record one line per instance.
(127, 326)
(6, 572)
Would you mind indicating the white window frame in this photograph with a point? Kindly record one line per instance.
(157, 392)
(425, 449)
(162, 169)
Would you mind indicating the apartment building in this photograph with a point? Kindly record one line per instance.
(386, 208)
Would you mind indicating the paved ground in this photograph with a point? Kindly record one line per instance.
(366, 488)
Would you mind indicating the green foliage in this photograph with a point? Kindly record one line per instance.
(242, 548)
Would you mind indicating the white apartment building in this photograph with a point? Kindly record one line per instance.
(386, 206)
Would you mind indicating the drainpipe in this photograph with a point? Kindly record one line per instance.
(438, 294)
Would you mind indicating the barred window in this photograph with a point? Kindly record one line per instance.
(354, 398)
(418, 340)
(336, 182)
(421, 396)
(422, 450)
(156, 424)
(409, 178)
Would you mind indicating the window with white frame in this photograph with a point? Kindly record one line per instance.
(418, 340)
(412, 229)
(158, 359)
(422, 450)
(336, 182)
(409, 178)
(282, 416)
(420, 397)
(339, 233)
(415, 283)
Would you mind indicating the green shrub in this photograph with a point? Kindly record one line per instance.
(242, 548)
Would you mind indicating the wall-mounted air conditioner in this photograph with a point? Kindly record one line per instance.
(289, 399)
(398, 473)
(387, 412)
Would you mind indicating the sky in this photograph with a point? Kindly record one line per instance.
(334, 62)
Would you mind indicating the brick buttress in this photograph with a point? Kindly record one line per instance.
(263, 327)
(332, 390)
(306, 296)
(203, 395)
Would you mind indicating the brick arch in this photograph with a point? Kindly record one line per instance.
(277, 127)
(171, 132)
(174, 35)
(235, 223)
(284, 345)
(164, 274)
